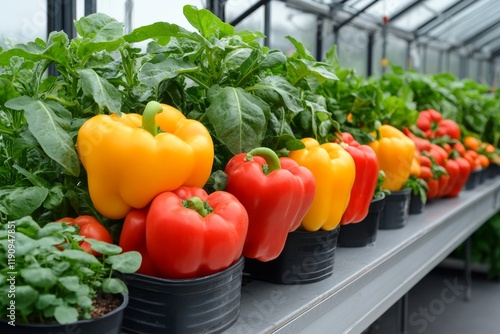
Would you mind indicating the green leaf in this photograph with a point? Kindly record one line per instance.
(54, 229)
(25, 297)
(104, 247)
(71, 283)
(7, 91)
(54, 197)
(154, 73)
(65, 314)
(238, 117)
(80, 255)
(39, 277)
(20, 202)
(126, 263)
(104, 93)
(162, 31)
(98, 26)
(45, 300)
(46, 127)
(207, 23)
(50, 241)
(113, 285)
(288, 93)
(24, 244)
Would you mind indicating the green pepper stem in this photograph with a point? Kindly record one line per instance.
(148, 117)
(272, 159)
(195, 203)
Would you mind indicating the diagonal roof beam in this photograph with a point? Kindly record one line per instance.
(482, 45)
(441, 18)
(482, 32)
(336, 28)
(404, 10)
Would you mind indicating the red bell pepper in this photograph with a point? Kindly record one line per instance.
(465, 169)
(453, 170)
(428, 121)
(188, 233)
(90, 228)
(276, 192)
(450, 128)
(365, 181)
(133, 237)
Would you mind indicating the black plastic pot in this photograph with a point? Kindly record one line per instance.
(473, 180)
(110, 323)
(365, 232)
(307, 257)
(208, 304)
(396, 210)
(416, 204)
(493, 170)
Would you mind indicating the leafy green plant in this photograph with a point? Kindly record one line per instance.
(418, 187)
(54, 279)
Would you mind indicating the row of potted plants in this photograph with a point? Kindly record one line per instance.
(203, 158)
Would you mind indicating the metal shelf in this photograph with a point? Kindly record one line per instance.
(367, 281)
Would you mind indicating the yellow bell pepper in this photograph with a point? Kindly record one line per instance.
(395, 153)
(334, 172)
(128, 162)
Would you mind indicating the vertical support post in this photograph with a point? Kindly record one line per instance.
(129, 8)
(468, 270)
(319, 38)
(491, 77)
(408, 63)
(424, 59)
(447, 61)
(267, 24)
(403, 314)
(384, 47)
(90, 7)
(479, 70)
(440, 62)
(217, 7)
(60, 16)
(369, 55)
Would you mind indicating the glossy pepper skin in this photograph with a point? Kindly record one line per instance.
(395, 152)
(365, 181)
(192, 234)
(334, 172)
(428, 121)
(133, 237)
(276, 192)
(127, 165)
(464, 173)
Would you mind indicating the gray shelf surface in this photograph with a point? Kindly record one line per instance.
(367, 281)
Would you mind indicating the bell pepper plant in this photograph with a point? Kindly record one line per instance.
(187, 233)
(432, 123)
(365, 181)
(334, 173)
(276, 192)
(128, 162)
(395, 152)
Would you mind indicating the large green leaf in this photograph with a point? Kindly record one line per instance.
(154, 73)
(46, 127)
(208, 24)
(238, 117)
(104, 93)
(20, 202)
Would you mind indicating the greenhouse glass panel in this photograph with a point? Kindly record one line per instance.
(352, 49)
(472, 70)
(22, 24)
(453, 64)
(291, 22)
(377, 55)
(467, 22)
(421, 13)
(397, 49)
(432, 60)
